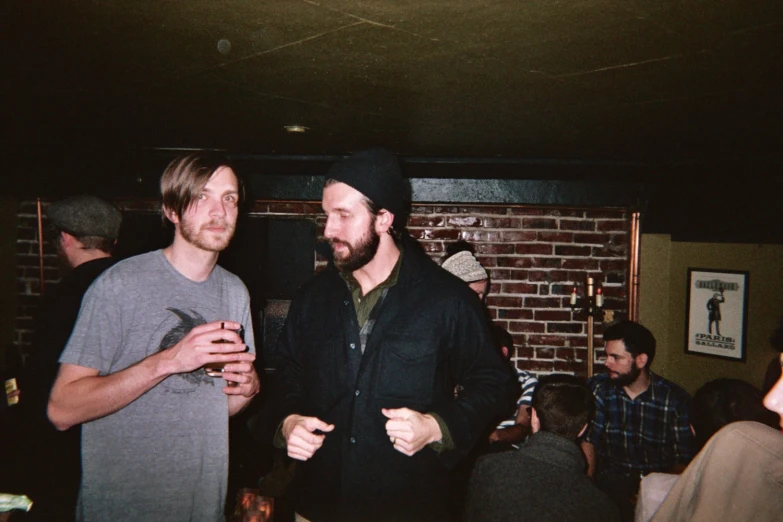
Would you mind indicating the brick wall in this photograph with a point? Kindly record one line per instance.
(534, 257)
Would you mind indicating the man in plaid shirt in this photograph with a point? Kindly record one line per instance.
(641, 422)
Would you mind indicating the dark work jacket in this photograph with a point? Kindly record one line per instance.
(431, 335)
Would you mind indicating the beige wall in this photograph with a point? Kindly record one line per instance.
(7, 274)
(663, 273)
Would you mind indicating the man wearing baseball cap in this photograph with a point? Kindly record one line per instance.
(83, 230)
(370, 355)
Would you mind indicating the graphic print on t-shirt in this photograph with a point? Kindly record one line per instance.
(184, 382)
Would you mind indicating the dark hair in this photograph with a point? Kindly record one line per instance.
(185, 178)
(458, 246)
(723, 401)
(563, 404)
(636, 338)
(397, 229)
(53, 235)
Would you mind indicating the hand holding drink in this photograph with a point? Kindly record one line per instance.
(216, 369)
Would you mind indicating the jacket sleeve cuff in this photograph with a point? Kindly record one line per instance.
(446, 443)
(279, 440)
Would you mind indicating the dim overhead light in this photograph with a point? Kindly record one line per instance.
(296, 129)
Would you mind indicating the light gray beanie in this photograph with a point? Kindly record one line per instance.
(465, 266)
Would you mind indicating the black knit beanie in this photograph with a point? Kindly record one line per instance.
(376, 174)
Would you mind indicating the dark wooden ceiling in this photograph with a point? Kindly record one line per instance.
(608, 80)
(626, 84)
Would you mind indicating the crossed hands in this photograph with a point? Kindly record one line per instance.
(408, 430)
(199, 347)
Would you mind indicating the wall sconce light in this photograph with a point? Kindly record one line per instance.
(592, 306)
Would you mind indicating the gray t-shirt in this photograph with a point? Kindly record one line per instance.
(164, 457)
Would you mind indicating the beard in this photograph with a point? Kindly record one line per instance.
(359, 254)
(205, 239)
(625, 379)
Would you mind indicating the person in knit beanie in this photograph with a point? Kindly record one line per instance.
(464, 265)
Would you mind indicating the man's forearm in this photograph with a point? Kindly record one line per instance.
(237, 403)
(80, 395)
(589, 450)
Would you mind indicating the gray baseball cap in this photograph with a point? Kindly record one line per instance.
(85, 216)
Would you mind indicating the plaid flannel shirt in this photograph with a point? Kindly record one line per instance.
(648, 433)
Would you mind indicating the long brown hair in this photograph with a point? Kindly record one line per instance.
(185, 178)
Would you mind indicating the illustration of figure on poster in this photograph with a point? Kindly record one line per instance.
(717, 304)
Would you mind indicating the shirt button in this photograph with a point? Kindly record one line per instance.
(345, 303)
(357, 393)
(353, 346)
(353, 440)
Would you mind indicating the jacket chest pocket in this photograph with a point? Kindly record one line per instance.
(407, 370)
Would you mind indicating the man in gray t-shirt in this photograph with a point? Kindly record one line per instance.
(155, 434)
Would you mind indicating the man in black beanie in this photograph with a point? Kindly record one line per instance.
(370, 355)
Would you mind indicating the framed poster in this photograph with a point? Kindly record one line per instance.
(717, 313)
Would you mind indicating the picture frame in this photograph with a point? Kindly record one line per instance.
(716, 313)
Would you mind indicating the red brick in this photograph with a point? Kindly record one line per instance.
(516, 262)
(464, 221)
(556, 237)
(442, 233)
(519, 288)
(473, 236)
(569, 366)
(545, 223)
(571, 224)
(423, 209)
(426, 221)
(501, 222)
(286, 207)
(546, 262)
(566, 212)
(525, 327)
(517, 236)
(573, 328)
(258, 208)
(488, 262)
(616, 278)
(568, 250)
(313, 208)
(545, 353)
(546, 340)
(607, 225)
(612, 265)
(540, 366)
(550, 275)
(589, 238)
(508, 275)
(527, 211)
(432, 247)
(567, 354)
(504, 301)
(606, 214)
(542, 302)
(481, 209)
(581, 264)
(552, 315)
(514, 313)
(539, 249)
(610, 251)
(418, 233)
(524, 353)
(495, 248)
